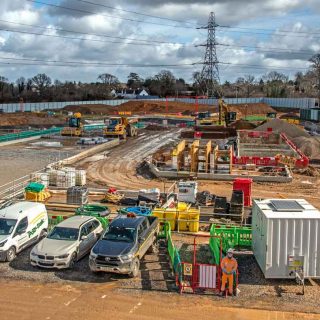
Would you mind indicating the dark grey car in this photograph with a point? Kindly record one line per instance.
(123, 245)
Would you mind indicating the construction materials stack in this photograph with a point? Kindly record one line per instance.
(66, 177)
(149, 195)
(77, 195)
(236, 210)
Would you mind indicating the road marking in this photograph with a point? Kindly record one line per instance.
(135, 307)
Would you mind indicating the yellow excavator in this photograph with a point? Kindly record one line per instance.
(75, 127)
(225, 116)
(121, 127)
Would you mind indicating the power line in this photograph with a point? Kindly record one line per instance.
(105, 15)
(90, 34)
(270, 30)
(130, 11)
(75, 38)
(269, 34)
(262, 67)
(82, 63)
(266, 49)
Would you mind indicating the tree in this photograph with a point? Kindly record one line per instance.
(21, 84)
(108, 79)
(249, 82)
(163, 83)
(41, 82)
(199, 84)
(315, 60)
(3, 84)
(134, 81)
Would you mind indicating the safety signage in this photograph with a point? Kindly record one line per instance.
(187, 269)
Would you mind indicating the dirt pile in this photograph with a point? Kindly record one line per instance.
(86, 109)
(145, 106)
(280, 126)
(243, 125)
(29, 119)
(250, 109)
(310, 146)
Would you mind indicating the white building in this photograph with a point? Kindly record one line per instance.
(286, 237)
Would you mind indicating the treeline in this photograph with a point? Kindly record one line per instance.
(273, 84)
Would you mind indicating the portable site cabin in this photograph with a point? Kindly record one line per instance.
(286, 237)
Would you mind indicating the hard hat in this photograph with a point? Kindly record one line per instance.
(230, 250)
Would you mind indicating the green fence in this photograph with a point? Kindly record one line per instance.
(35, 133)
(231, 236)
(174, 255)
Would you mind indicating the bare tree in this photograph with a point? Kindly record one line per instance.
(249, 82)
(21, 84)
(109, 79)
(199, 83)
(316, 68)
(3, 84)
(41, 82)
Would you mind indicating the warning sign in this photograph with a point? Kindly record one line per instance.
(187, 269)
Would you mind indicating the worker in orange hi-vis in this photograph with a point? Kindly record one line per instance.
(229, 266)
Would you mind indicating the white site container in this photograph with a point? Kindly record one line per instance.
(286, 237)
(187, 191)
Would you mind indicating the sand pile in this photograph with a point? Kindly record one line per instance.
(310, 146)
(280, 126)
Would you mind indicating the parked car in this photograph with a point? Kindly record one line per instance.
(67, 242)
(21, 225)
(124, 243)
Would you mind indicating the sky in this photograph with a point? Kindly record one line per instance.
(76, 40)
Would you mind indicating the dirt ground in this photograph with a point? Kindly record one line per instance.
(118, 166)
(30, 119)
(28, 300)
(33, 293)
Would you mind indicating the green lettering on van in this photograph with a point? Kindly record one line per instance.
(34, 229)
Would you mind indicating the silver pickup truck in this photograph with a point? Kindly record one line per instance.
(124, 243)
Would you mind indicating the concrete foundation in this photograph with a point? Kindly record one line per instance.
(217, 177)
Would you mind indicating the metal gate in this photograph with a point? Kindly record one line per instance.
(200, 276)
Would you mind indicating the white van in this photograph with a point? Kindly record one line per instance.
(21, 225)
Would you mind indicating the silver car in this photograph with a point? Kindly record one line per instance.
(67, 242)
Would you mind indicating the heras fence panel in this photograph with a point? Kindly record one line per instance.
(232, 236)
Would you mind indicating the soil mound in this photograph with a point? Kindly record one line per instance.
(280, 126)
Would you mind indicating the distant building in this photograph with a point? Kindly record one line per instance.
(130, 93)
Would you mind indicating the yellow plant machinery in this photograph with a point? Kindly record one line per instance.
(121, 127)
(75, 127)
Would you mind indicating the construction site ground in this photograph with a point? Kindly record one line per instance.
(20, 159)
(121, 167)
(32, 293)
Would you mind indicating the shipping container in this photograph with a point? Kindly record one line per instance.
(286, 235)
